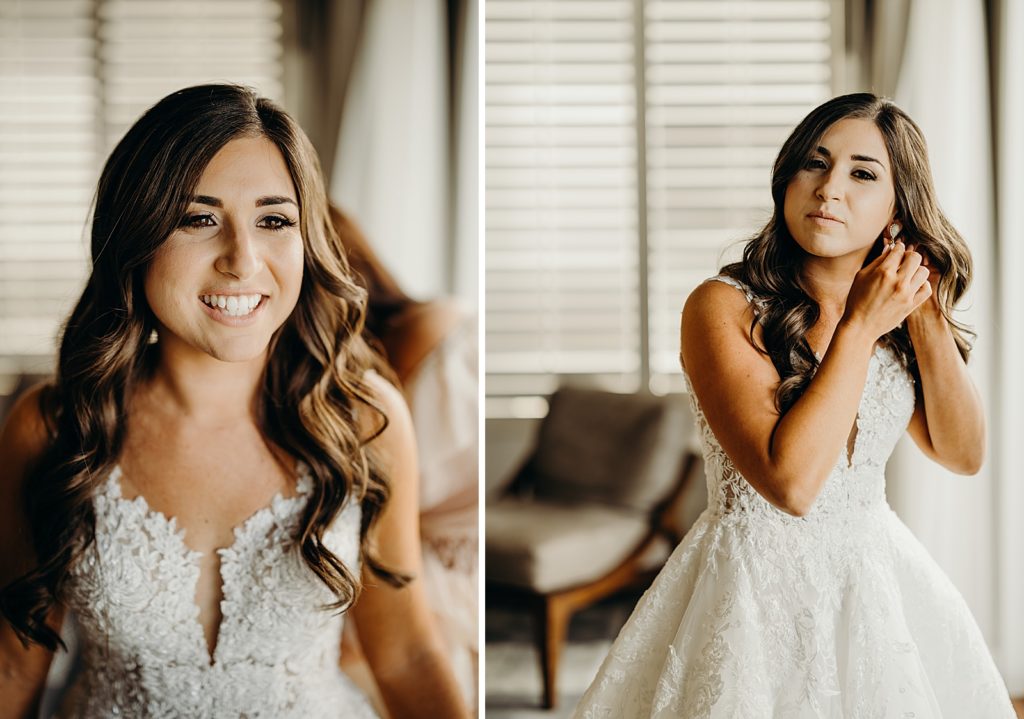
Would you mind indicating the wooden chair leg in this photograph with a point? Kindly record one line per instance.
(551, 635)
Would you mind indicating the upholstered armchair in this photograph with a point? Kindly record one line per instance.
(602, 486)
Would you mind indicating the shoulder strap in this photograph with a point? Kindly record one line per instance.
(734, 283)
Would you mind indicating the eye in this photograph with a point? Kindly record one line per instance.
(197, 221)
(863, 175)
(277, 222)
(815, 163)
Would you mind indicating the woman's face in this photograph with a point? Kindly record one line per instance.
(847, 178)
(230, 274)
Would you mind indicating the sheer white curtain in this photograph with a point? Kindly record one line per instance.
(943, 85)
(391, 165)
(1008, 430)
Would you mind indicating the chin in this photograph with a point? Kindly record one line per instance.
(239, 350)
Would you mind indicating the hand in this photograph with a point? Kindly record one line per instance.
(886, 291)
(930, 307)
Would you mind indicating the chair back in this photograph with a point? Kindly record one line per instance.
(623, 450)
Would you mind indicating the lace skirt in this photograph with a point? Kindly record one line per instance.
(843, 619)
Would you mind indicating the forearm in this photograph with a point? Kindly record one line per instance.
(22, 675)
(422, 686)
(813, 433)
(953, 411)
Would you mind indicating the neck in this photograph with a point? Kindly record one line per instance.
(828, 280)
(201, 389)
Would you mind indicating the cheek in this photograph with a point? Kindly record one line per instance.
(290, 262)
(166, 278)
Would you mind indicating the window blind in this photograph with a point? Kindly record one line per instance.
(726, 82)
(720, 84)
(75, 75)
(561, 194)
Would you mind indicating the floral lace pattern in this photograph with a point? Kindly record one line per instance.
(143, 649)
(841, 613)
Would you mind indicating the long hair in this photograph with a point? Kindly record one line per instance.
(312, 386)
(385, 297)
(772, 259)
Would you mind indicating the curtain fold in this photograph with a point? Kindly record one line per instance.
(943, 85)
(391, 167)
(1008, 429)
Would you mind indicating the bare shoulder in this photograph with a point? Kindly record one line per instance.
(24, 437)
(398, 434)
(23, 440)
(716, 321)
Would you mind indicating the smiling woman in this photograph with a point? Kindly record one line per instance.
(208, 506)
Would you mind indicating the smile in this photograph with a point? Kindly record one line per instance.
(233, 309)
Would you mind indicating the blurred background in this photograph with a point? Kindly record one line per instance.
(74, 75)
(387, 91)
(628, 149)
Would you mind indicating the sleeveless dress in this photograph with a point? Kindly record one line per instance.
(143, 653)
(841, 613)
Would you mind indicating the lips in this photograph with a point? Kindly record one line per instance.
(822, 215)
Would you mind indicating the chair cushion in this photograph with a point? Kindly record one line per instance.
(617, 449)
(548, 547)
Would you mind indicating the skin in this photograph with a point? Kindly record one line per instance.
(788, 458)
(195, 419)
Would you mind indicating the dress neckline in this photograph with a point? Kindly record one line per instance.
(278, 511)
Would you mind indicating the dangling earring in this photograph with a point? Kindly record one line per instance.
(894, 229)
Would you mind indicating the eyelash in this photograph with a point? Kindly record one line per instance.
(192, 221)
(809, 166)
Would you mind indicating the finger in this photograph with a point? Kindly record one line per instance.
(910, 263)
(892, 259)
(886, 249)
(922, 294)
(920, 277)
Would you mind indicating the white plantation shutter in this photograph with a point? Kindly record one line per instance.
(150, 48)
(726, 82)
(75, 74)
(48, 137)
(561, 267)
(568, 215)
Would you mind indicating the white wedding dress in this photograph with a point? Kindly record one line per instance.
(143, 651)
(838, 614)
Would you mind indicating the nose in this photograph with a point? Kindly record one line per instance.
(240, 257)
(830, 187)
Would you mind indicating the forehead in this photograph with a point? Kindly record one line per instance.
(855, 136)
(247, 165)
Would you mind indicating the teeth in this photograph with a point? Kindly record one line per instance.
(233, 305)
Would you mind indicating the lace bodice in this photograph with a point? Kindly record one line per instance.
(143, 650)
(857, 480)
(840, 613)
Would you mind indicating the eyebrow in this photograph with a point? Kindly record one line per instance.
(260, 202)
(859, 158)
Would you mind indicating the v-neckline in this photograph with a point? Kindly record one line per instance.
(195, 557)
(850, 450)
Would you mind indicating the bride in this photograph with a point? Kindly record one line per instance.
(798, 592)
(220, 468)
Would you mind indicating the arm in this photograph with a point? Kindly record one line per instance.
(395, 626)
(22, 670)
(948, 422)
(788, 458)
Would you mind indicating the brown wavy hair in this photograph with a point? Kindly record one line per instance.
(312, 387)
(772, 260)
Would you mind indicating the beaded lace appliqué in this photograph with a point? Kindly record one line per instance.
(841, 613)
(143, 649)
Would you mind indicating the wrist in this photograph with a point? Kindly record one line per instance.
(926, 321)
(852, 330)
